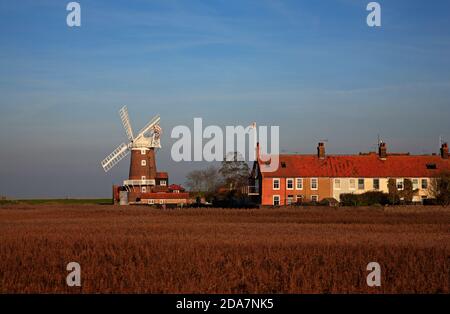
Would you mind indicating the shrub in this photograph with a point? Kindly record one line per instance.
(430, 201)
(365, 199)
(349, 199)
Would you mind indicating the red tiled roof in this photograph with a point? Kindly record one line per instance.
(162, 175)
(368, 165)
(176, 187)
(164, 195)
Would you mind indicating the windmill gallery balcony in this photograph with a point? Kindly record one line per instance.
(138, 182)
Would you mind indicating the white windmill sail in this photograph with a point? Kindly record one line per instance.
(117, 155)
(123, 112)
(140, 141)
(149, 126)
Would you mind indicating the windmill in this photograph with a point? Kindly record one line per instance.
(142, 147)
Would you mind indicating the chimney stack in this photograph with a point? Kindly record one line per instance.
(321, 150)
(444, 151)
(382, 150)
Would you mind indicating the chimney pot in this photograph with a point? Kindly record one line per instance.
(444, 151)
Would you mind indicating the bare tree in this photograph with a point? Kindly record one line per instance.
(203, 180)
(235, 171)
(194, 180)
(211, 178)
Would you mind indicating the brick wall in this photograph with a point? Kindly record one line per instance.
(323, 191)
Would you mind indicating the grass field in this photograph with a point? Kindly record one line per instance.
(62, 201)
(143, 250)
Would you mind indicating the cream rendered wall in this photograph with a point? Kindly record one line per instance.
(368, 187)
(424, 192)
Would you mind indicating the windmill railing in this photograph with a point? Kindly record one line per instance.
(139, 182)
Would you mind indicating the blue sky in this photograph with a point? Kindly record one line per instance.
(312, 67)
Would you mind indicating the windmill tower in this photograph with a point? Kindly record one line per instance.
(142, 175)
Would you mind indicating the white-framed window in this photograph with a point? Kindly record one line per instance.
(276, 184)
(415, 184)
(276, 200)
(314, 198)
(299, 183)
(290, 184)
(163, 182)
(424, 184)
(299, 198)
(143, 162)
(144, 189)
(337, 184)
(151, 202)
(399, 184)
(376, 184)
(142, 151)
(161, 201)
(314, 183)
(352, 184)
(143, 177)
(290, 199)
(360, 184)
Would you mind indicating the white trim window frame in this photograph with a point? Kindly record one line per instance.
(377, 187)
(352, 184)
(415, 183)
(291, 181)
(361, 184)
(278, 200)
(315, 198)
(299, 183)
(277, 180)
(337, 184)
(422, 185)
(316, 187)
(143, 163)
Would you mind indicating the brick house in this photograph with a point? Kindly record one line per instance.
(314, 177)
